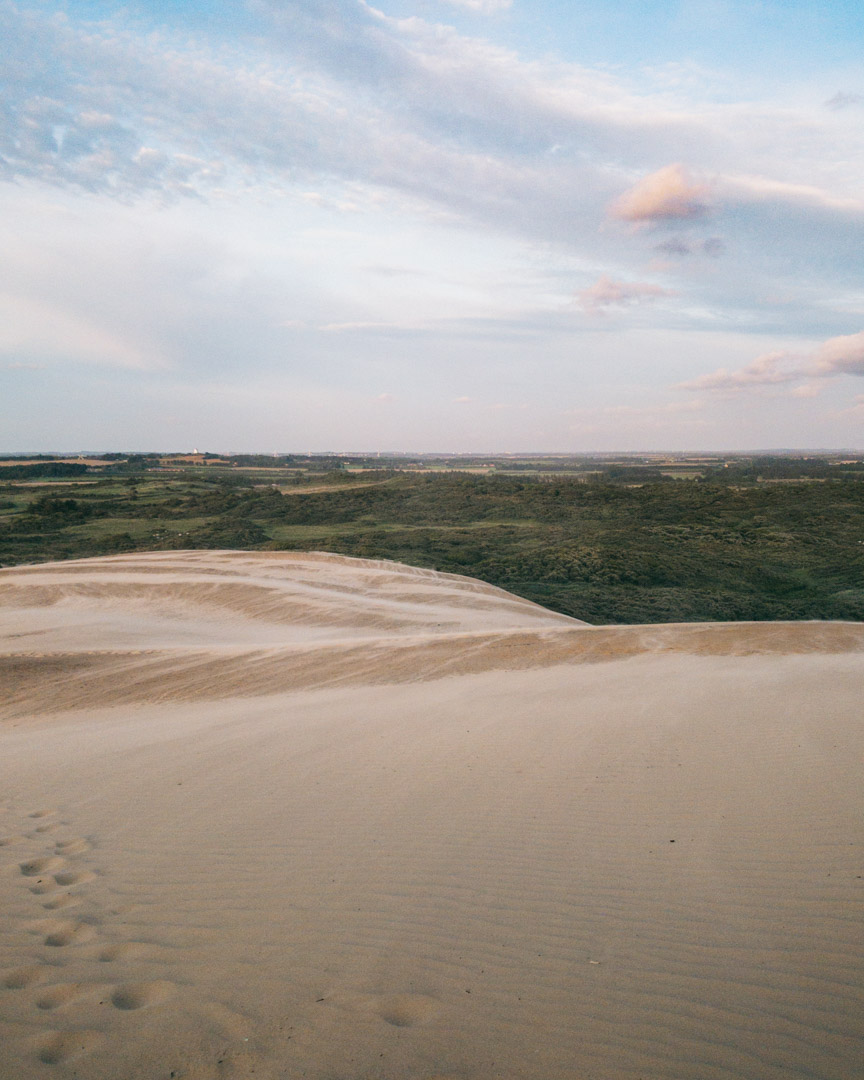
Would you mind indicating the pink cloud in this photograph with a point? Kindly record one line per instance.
(666, 195)
(842, 355)
(765, 370)
(606, 292)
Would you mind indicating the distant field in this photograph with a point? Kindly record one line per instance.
(623, 547)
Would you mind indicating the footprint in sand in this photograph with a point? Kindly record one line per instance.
(58, 1047)
(127, 950)
(407, 1010)
(7, 841)
(43, 886)
(226, 1022)
(23, 977)
(64, 901)
(438, 1076)
(48, 864)
(141, 995)
(73, 877)
(55, 997)
(62, 932)
(76, 846)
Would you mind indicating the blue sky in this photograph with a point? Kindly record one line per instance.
(467, 225)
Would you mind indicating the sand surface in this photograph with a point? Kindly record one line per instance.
(275, 815)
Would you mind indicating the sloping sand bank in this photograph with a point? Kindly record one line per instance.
(277, 816)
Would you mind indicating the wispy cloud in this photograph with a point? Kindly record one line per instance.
(482, 7)
(683, 246)
(606, 292)
(671, 416)
(844, 100)
(372, 327)
(765, 370)
(754, 189)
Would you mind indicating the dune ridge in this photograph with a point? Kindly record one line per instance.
(297, 814)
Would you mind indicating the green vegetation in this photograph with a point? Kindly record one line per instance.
(609, 541)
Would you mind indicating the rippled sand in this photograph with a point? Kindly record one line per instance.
(275, 815)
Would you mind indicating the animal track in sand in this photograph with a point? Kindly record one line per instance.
(41, 813)
(53, 997)
(141, 995)
(22, 977)
(7, 841)
(407, 1010)
(58, 1047)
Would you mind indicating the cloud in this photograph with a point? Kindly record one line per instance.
(761, 189)
(670, 416)
(806, 390)
(482, 7)
(840, 356)
(410, 109)
(837, 356)
(41, 329)
(373, 327)
(843, 100)
(676, 245)
(335, 105)
(765, 370)
(855, 410)
(666, 195)
(606, 292)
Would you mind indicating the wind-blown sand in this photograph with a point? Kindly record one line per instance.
(281, 815)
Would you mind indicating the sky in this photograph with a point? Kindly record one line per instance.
(431, 226)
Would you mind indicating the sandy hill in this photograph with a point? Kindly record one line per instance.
(281, 815)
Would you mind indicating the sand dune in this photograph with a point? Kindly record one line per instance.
(281, 815)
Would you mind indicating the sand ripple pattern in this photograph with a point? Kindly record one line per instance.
(270, 815)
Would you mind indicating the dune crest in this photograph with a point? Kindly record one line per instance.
(292, 814)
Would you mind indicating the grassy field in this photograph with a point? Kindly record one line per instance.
(625, 547)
